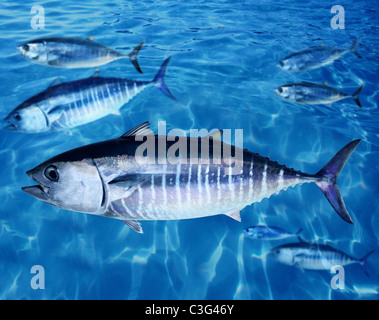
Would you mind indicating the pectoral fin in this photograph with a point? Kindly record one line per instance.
(127, 180)
(55, 113)
(123, 186)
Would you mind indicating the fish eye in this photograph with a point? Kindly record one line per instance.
(51, 173)
(17, 117)
(280, 90)
(26, 47)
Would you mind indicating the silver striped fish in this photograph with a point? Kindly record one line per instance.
(311, 256)
(314, 57)
(70, 53)
(67, 105)
(314, 93)
(263, 232)
(107, 179)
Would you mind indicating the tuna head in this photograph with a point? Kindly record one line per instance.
(27, 118)
(34, 51)
(74, 186)
(285, 92)
(283, 255)
(287, 65)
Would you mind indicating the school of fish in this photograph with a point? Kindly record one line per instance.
(107, 178)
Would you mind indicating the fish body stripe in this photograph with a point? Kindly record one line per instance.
(194, 190)
(78, 102)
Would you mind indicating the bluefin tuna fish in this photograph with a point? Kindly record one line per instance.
(66, 52)
(314, 93)
(107, 179)
(312, 256)
(262, 232)
(67, 105)
(314, 57)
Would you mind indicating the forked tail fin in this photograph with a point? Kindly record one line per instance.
(133, 56)
(328, 179)
(158, 81)
(353, 48)
(356, 98)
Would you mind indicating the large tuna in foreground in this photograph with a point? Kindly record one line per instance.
(107, 179)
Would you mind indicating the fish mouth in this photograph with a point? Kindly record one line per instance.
(39, 191)
(10, 127)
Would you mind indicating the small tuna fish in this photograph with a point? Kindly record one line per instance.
(65, 52)
(314, 57)
(262, 232)
(314, 256)
(67, 105)
(107, 179)
(314, 93)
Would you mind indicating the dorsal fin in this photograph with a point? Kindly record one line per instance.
(217, 135)
(142, 129)
(56, 81)
(95, 74)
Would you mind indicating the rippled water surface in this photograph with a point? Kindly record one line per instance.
(223, 72)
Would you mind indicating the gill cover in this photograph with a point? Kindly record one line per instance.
(75, 186)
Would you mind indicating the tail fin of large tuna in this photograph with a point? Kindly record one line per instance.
(328, 179)
(355, 96)
(133, 56)
(159, 80)
(352, 48)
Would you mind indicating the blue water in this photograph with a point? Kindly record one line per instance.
(223, 74)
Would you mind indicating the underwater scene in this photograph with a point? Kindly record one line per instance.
(284, 84)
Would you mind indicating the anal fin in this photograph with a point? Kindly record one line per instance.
(134, 224)
(235, 214)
